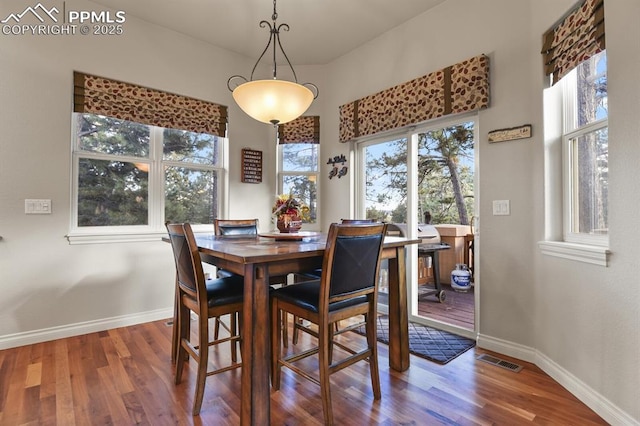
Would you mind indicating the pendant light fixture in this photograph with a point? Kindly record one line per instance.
(272, 101)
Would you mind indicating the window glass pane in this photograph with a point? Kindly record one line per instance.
(445, 175)
(304, 188)
(591, 91)
(386, 181)
(190, 195)
(299, 157)
(111, 193)
(197, 148)
(109, 135)
(591, 184)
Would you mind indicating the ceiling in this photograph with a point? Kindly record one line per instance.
(320, 30)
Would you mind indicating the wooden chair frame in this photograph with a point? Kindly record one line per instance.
(192, 297)
(325, 320)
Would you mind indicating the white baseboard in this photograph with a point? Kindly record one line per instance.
(598, 403)
(505, 347)
(60, 332)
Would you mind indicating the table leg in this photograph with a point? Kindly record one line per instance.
(255, 347)
(398, 312)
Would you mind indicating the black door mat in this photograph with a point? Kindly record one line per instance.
(427, 342)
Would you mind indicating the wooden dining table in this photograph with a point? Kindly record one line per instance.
(259, 257)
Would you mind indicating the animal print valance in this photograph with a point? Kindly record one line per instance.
(455, 89)
(575, 39)
(103, 96)
(305, 129)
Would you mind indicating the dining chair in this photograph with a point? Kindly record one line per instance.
(357, 221)
(346, 288)
(235, 226)
(239, 227)
(205, 298)
(301, 277)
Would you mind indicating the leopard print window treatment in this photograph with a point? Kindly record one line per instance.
(103, 96)
(305, 129)
(579, 36)
(459, 88)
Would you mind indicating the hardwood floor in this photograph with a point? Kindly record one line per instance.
(125, 376)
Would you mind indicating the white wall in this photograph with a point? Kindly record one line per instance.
(44, 281)
(578, 322)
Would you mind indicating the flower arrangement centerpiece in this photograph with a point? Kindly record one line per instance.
(289, 213)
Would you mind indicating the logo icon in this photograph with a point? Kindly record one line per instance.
(38, 11)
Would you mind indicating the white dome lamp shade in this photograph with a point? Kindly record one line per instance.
(273, 101)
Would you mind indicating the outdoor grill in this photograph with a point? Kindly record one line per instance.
(427, 233)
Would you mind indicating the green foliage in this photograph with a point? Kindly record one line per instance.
(445, 177)
(190, 195)
(299, 163)
(111, 193)
(377, 215)
(113, 188)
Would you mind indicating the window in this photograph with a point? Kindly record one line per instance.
(129, 178)
(384, 180)
(585, 153)
(298, 173)
(577, 166)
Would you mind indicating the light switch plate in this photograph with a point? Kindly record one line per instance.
(32, 206)
(501, 208)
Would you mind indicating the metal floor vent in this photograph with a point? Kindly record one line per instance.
(500, 362)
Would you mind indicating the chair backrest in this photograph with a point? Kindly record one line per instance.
(235, 226)
(190, 274)
(357, 221)
(351, 260)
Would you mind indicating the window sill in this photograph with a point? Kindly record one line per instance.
(104, 238)
(594, 255)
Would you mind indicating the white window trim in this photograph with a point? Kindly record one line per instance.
(155, 230)
(594, 255)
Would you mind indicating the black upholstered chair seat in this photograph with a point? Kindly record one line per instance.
(224, 291)
(307, 296)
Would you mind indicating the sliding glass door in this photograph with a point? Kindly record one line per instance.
(423, 182)
(384, 189)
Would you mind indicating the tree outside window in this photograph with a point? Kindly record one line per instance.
(586, 151)
(126, 170)
(298, 174)
(445, 177)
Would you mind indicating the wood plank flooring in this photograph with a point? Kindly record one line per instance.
(125, 377)
(458, 308)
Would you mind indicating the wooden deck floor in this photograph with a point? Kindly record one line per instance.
(458, 309)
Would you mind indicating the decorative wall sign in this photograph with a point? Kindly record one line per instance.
(251, 166)
(513, 133)
(335, 171)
